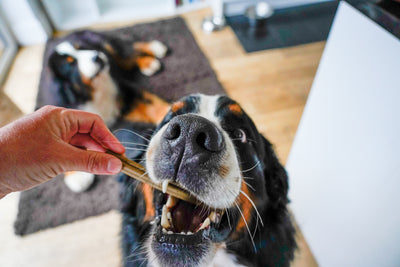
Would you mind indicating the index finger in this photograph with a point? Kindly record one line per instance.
(92, 124)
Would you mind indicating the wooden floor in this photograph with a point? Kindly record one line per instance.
(272, 86)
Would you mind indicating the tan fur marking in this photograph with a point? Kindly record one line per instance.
(144, 62)
(85, 80)
(126, 63)
(223, 171)
(144, 48)
(235, 108)
(151, 109)
(177, 106)
(245, 206)
(148, 199)
(109, 48)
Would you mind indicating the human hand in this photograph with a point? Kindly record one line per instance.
(51, 141)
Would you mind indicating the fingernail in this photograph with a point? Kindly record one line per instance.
(114, 165)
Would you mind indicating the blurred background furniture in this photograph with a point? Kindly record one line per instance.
(72, 14)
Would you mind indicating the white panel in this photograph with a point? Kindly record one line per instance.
(344, 165)
(71, 14)
(25, 26)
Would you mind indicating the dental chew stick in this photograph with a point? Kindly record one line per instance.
(138, 172)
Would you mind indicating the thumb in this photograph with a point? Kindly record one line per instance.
(95, 162)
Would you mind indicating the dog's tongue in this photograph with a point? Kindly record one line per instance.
(187, 217)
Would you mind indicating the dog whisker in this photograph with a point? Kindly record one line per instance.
(249, 185)
(134, 144)
(258, 215)
(258, 162)
(247, 227)
(203, 210)
(254, 206)
(229, 220)
(144, 174)
(133, 184)
(239, 139)
(255, 229)
(137, 256)
(127, 143)
(248, 178)
(130, 131)
(136, 149)
(149, 263)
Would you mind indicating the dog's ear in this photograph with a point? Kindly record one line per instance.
(53, 89)
(61, 87)
(276, 179)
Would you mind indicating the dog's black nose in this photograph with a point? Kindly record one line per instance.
(194, 134)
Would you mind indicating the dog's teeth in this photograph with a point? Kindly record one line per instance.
(164, 218)
(165, 186)
(170, 232)
(213, 216)
(205, 224)
(171, 202)
(188, 233)
(169, 217)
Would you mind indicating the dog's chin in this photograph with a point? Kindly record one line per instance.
(185, 234)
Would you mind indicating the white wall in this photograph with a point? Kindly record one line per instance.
(344, 166)
(24, 24)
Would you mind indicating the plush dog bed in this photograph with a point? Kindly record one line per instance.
(185, 70)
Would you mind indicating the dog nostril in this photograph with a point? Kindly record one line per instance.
(173, 131)
(211, 141)
(201, 140)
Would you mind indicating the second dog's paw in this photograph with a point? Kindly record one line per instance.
(150, 67)
(159, 49)
(78, 181)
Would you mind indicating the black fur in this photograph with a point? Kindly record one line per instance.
(134, 230)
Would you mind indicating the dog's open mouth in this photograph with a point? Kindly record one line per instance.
(183, 223)
(182, 217)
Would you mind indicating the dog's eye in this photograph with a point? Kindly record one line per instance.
(239, 134)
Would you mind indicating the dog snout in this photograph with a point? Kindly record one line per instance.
(195, 134)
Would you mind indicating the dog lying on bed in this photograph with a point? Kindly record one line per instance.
(209, 146)
(96, 72)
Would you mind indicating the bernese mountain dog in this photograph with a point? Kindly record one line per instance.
(210, 147)
(98, 72)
